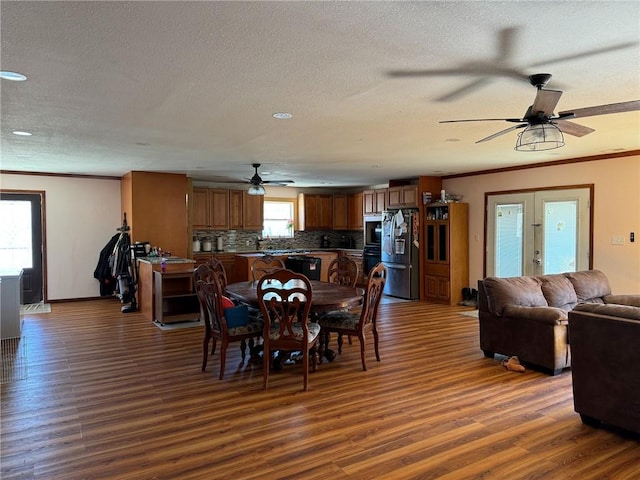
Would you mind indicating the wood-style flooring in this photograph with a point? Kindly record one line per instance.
(108, 395)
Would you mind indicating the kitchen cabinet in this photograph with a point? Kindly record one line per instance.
(356, 216)
(340, 212)
(236, 210)
(374, 201)
(175, 298)
(446, 252)
(403, 196)
(210, 209)
(10, 319)
(244, 261)
(252, 211)
(156, 210)
(318, 213)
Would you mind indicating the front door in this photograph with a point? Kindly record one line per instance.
(538, 232)
(21, 241)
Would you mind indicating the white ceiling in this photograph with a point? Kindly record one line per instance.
(191, 86)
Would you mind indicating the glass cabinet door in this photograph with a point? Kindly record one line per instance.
(431, 242)
(443, 244)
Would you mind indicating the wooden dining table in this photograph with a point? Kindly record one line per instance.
(326, 297)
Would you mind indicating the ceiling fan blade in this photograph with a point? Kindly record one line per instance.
(484, 120)
(545, 102)
(506, 43)
(464, 89)
(502, 132)
(588, 53)
(572, 128)
(604, 109)
(273, 182)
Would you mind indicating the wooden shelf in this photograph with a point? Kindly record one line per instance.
(175, 299)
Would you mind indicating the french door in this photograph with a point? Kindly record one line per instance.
(21, 241)
(538, 232)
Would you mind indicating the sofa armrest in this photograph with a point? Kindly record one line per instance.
(632, 300)
(548, 315)
(610, 309)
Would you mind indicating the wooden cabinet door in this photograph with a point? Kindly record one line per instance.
(253, 212)
(381, 201)
(410, 196)
(340, 212)
(311, 212)
(326, 212)
(201, 208)
(356, 221)
(236, 217)
(219, 209)
(368, 202)
(395, 197)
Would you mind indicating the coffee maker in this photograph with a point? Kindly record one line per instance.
(324, 241)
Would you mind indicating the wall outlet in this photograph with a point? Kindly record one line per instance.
(617, 240)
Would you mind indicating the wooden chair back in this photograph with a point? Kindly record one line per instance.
(218, 268)
(343, 271)
(265, 265)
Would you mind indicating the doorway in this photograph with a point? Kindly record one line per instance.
(538, 232)
(22, 240)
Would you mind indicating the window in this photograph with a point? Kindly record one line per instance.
(278, 218)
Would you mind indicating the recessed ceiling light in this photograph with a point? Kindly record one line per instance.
(282, 115)
(13, 76)
(452, 140)
(22, 134)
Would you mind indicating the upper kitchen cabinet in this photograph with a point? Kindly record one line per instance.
(315, 211)
(210, 208)
(252, 211)
(403, 196)
(374, 201)
(156, 210)
(340, 212)
(355, 212)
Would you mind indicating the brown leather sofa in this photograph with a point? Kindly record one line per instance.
(605, 348)
(527, 316)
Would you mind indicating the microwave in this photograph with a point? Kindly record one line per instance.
(373, 230)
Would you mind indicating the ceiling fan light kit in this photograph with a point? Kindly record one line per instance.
(543, 136)
(256, 190)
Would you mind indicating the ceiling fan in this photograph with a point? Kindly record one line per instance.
(257, 180)
(501, 65)
(539, 118)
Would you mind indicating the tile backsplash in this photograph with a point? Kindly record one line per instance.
(246, 240)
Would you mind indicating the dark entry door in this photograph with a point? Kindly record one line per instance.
(21, 242)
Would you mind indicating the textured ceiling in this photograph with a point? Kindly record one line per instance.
(191, 87)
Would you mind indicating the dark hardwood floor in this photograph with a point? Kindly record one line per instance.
(108, 395)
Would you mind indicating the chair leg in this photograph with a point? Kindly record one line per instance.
(205, 350)
(375, 344)
(243, 349)
(316, 357)
(364, 362)
(266, 364)
(340, 342)
(213, 347)
(223, 358)
(305, 368)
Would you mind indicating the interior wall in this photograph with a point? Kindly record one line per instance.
(616, 211)
(82, 214)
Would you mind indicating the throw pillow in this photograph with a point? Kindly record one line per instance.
(237, 316)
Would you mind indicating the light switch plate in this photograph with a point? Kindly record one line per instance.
(617, 240)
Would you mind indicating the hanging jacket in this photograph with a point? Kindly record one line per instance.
(102, 273)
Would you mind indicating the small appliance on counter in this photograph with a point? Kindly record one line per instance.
(325, 242)
(141, 249)
(196, 244)
(206, 245)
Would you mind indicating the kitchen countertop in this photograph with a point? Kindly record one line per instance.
(292, 251)
(158, 260)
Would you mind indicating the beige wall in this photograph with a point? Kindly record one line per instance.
(81, 216)
(616, 211)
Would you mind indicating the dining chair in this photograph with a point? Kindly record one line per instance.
(285, 301)
(358, 324)
(230, 324)
(218, 268)
(343, 271)
(265, 265)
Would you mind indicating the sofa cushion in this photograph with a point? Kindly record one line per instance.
(590, 285)
(523, 291)
(633, 300)
(612, 310)
(558, 291)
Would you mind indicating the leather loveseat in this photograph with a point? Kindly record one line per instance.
(605, 348)
(527, 316)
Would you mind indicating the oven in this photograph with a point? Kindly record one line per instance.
(373, 230)
(370, 257)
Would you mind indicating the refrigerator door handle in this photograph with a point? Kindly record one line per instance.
(397, 266)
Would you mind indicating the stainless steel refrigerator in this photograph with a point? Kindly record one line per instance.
(400, 253)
